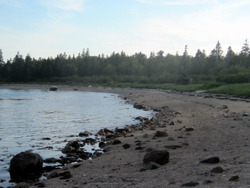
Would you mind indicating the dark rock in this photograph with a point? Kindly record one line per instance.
(76, 165)
(115, 142)
(161, 134)
(72, 146)
(145, 136)
(66, 176)
(245, 114)
(50, 160)
(53, 88)
(85, 155)
(85, 133)
(126, 146)
(158, 156)
(234, 178)
(171, 139)
(211, 160)
(223, 107)
(140, 148)
(217, 169)
(1, 181)
(172, 146)
(101, 145)
(90, 141)
(46, 138)
(50, 168)
(138, 106)
(40, 184)
(152, 166)
(172, 123)
(207, 182)
(25, 165)
(190, 184)
(52, 175)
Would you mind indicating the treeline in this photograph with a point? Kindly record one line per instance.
(138, 68)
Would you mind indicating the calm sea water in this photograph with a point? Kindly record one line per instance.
(27, 116)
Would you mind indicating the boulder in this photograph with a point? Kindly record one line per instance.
(85, 133)
(161, 134)
(211, 160)
(53, 88)
(72, 146)
(26, 165)
(158, 156)
(115, 142)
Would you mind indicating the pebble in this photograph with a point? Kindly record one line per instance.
(190, 184)
(211, 160)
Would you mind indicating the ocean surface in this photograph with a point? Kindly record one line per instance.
(29, 116)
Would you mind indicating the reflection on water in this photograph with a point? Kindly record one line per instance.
(28, 116)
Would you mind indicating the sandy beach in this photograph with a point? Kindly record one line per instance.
(198, 128)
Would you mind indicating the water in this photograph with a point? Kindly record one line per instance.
(28, 116)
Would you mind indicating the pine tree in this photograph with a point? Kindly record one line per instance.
(245, 50)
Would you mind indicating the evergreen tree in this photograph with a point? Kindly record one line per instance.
(245, 50)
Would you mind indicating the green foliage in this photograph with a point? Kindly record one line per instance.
(211, 85)
(138, 70)
(233, 89)
(234, 78)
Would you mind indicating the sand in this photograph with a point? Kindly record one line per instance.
(219, 129)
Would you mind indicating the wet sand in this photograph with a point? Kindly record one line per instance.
(218, 128)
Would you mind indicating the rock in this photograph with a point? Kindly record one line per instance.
(160, 134)
(138, 106)
(101, 145)
(21, 185)
(172, 146)
(223, 107)
(68, 149)
(207, 182)
(115, 142)
(85, 155)
(40, 184)
(152, 166)
(211, 160)
(126, 146)
(50, 160)
(90, 141)
(145, 136)
(171, 139)
(65, 175)
(85, 133)
(25, 165)
(234, 178)
(72, 146)
(158, 156)
(172, 123)
(190, 184)
(53, 88)
(217, 169)
(46, 138)
(245, 114)
(52, 175)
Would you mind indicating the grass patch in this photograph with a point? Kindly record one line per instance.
(233, 89)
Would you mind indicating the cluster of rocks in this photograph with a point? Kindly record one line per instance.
(204, 94)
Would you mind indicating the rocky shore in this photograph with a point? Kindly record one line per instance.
(194, 140)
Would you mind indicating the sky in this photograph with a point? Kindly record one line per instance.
(45, 28)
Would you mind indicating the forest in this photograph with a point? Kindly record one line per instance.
(217, 66)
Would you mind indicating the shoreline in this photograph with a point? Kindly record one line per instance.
(217, 128)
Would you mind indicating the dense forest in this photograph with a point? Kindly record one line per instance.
(229, 67)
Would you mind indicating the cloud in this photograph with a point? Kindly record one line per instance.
(199, 29)
(73, 5)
